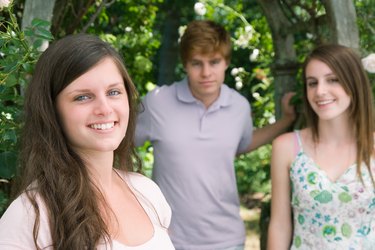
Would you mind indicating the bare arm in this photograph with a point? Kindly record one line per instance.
(281, 225)
(266, 134)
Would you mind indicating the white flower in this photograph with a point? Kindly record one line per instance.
(239, 85)
(253, 56)
(128, 29)
(369, 63)
(4, 3)
(199, 9)
(309, 36)
(7, 115)
(44, 46)
(181, 30)
(150, 86)
(238, 79)
(234, 72)
(271, 120)
(243, 41)
(256, 95)
(241, 69)
(249, 28)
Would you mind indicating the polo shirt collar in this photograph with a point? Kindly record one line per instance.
(184, 94)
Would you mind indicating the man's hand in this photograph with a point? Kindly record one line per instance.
(288, 109)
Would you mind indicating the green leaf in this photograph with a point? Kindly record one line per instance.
(44, 34)
(8, 164)
(40, 23)
(10, 67)
(10, 135)
(29, 32)
(37, 43)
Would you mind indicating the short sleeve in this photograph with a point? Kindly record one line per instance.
(247, 131)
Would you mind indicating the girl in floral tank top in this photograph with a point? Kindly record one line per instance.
(323, 194)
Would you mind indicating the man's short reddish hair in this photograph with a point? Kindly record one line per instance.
(205, 37)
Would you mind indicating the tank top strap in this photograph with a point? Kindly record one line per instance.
(297, 142)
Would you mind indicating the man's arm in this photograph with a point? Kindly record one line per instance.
(262, 136)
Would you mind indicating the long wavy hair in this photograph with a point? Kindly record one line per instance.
(347, 66)
(49, 167)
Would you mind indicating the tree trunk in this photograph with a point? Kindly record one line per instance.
(285, 64)
(37, 9)
(342, 19)
(168, 53)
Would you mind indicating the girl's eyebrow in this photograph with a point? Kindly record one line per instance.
(88, 90)
(116, 84)
(328, 74)
(78, 91)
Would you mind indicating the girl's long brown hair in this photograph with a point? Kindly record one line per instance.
(348, 68)
(49, 167)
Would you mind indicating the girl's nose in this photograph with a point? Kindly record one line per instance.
(321, 88)
(102, 106)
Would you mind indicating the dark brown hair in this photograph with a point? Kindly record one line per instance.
(50, 168)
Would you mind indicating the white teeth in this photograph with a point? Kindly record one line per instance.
(102, 126)
(324, 102)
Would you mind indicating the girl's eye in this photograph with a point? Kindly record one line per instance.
(114, 92)
(217, 61)
(311, 84)
(333, 80)
(81, 98)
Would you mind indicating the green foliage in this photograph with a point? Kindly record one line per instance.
(252, 171)
(146, 154)
(19, 52)
(128, 26)
(365, 10)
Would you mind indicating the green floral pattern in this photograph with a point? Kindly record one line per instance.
(331, 214)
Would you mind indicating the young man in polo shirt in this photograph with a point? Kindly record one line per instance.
(197, 126)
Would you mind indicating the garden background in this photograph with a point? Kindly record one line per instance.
(270, 40)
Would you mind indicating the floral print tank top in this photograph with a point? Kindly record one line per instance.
(331, 215)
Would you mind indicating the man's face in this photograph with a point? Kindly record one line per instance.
(206, 75)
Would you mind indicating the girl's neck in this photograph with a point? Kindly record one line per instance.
(100, 167)
(336, 132)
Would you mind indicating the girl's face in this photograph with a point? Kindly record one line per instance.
(325, 94)
(94, 109)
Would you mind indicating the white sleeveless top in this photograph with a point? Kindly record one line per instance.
(332, 215)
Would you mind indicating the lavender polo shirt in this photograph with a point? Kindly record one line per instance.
(194, 152)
